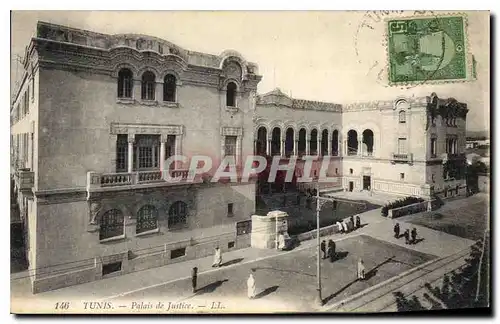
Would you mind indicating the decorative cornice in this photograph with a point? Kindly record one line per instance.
(117, 128)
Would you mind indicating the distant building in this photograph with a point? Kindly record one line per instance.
(405, 146)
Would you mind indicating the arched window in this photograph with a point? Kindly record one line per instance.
(125, 82)
(231, 95)
(302, 142)
(148, 86)
(368, 140)
(111, 224)
(335, 143)
(261, 141)
(313, 142)
(402, 116)
(324, 142)
(177, 214)
(169, 87)
(352, 142)
(147, 219)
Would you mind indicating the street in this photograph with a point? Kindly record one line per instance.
(291, 280)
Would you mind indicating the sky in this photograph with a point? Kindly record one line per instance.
(333, 56)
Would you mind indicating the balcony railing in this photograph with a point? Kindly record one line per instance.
(106, 180)
(402, 157)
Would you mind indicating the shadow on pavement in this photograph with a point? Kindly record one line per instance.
(266, 292)
(335, 294)
(231, 262)
(210, 288)
(368, 275)
(339, 256)
(418, 240)
(283, 270)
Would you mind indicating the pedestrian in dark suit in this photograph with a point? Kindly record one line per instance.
(407, 236)
(352, 221)
(396, 230)
(358, 222)
(194, 278)
(331, 250)
(323, 248)
(414, 235)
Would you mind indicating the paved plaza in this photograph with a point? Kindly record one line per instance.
(286, 281)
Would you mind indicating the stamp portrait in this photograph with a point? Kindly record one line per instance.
(425, 49)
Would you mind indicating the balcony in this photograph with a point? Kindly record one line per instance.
(402, 158)
(97, 181)
(25, 180)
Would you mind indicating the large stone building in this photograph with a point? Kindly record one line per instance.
(406, 146)
(96, 117)
(93, 121)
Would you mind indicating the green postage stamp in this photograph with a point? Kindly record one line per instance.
(427, 49)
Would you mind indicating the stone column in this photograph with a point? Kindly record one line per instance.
(178, 150)
(163, 139)
(159, 91)
(308, 138)
(136, 91)
(295, 147)
(222, 146)
(238, 150)
(318, 145)
(282, 148)
(360, 145)
(131, 140)
(255, 146)
(268, 146)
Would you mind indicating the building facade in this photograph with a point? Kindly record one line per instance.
(97, 116)
(406, 146)
(94, 121)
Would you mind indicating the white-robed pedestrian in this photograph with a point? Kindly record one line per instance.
(217, 258)
(341, 228)
(281, 241)
(344, 225)
(361, 270)
(251, 286)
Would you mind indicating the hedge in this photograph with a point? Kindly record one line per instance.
(400, 203)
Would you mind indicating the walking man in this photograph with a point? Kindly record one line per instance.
(414, 236)
(396, 230)
(194, 278)
(217, 258)
(358, 222)
(323, 248)
(251, 286)
(407, 236)
(331, 250)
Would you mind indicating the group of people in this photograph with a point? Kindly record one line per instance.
(328, 251)
(410, 237)
(344, 228)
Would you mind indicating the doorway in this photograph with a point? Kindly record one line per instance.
(351, 186)
(366, 182)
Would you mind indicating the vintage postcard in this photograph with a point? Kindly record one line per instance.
(240, 162)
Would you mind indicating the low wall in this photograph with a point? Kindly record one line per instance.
(324, 231)
(410, 209)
